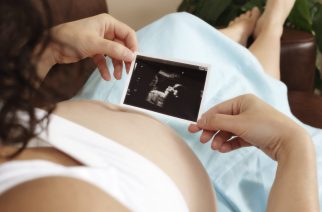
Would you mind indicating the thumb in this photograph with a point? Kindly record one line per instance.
(234, 144)
(214, 122)
(114, 50)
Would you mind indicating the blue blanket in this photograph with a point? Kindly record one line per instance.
(243, 178)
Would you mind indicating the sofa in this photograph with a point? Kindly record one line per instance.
(298, 56)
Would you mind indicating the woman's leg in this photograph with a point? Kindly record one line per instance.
(242, 27)
(268, 32)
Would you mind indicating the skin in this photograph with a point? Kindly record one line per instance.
(243, 26)
(254, 123)
(144, 135)
(151, 139)
(101, 35)
(251, 120)
(50, 194)
(257, 124)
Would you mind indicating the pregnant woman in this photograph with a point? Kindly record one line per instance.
(94, 156)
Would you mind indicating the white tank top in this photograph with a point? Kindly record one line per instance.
(125, 175)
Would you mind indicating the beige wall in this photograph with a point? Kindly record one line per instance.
(138, 13)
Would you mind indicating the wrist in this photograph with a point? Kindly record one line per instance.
(45, 62)
(297, 145)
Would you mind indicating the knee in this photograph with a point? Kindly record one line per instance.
(179, 18)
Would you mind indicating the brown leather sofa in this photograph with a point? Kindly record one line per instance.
(297, 63)
(298, 57)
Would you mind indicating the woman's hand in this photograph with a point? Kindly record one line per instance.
(253, 122)
(94, 37)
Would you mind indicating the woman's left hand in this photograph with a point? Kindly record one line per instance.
(94, 37)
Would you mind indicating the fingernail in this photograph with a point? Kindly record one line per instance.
(129, 56)
(106, 77)
(119, 75)
(214, 146)
(223, 149)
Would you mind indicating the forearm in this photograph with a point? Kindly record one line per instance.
(295, 185)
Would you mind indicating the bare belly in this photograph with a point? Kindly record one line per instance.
(144, 135)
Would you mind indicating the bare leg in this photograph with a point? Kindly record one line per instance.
(242, 27)
(268, 32)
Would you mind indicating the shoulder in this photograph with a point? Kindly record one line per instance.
(58, 194)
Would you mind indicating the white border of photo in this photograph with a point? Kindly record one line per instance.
(203, 67)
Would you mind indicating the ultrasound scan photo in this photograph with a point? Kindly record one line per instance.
(167, 87)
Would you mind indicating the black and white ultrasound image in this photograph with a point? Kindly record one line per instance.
(166, 87)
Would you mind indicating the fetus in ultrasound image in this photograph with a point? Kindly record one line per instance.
(166, 87)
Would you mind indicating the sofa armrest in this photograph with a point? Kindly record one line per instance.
(298, 65)
(306, 107)
(298, 56)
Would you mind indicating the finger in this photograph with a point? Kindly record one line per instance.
(206, 136)
(229, 107)
(223, 116)
(234, 144)
(118, 67)
(128, 67)
(193, 128)
(228, 123)
(114, 50)
(126, 34)
(119, 41)
(127, 64)
(220, 138)
(100, 61)
(121, 31)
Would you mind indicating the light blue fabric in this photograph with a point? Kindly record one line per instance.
(242, 179)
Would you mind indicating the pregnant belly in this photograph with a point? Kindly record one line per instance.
(151, 139)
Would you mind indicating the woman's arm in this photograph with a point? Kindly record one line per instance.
(257, 124)
(94, 37)
(295, 185)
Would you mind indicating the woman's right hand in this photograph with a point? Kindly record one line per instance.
(95, 37)
(253, 122)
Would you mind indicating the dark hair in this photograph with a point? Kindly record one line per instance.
(24, 26)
